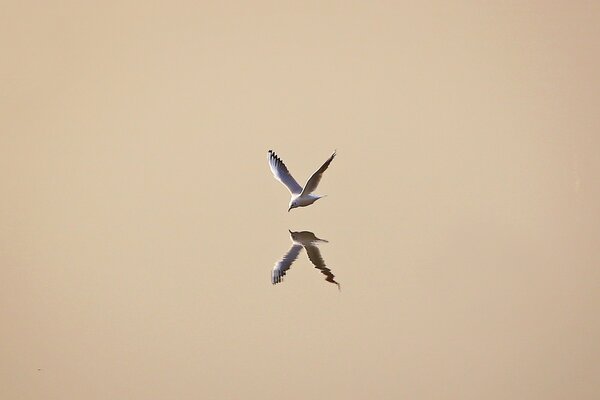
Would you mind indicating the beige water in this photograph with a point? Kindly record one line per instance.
(139, 221)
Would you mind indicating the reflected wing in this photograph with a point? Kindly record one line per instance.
(314, 180)
(282, 174)
(314, 255)
(284, 264)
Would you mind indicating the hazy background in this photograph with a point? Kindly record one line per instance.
(139, 221)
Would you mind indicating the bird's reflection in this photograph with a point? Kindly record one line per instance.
(309, 241)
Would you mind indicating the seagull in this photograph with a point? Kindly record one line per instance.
(301, 196)
(300, 240)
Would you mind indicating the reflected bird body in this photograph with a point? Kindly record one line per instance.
(301, 196)
(308, 241)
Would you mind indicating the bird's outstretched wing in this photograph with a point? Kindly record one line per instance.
(314, 180)
(282, 174)
(284, 264)
(314, 255)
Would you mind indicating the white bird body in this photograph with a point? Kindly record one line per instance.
(303, 201)
(301, 196)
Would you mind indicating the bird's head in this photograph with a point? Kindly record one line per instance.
(293, 204)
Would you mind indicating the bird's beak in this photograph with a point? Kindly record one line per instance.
(289, 208)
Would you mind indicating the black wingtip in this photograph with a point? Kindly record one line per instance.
(274, 156)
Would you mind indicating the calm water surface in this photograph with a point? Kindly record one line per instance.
(140, 224)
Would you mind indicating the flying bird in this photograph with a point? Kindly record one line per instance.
(301, 196)
(308, 241)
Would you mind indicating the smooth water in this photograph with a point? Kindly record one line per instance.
(140, 223)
